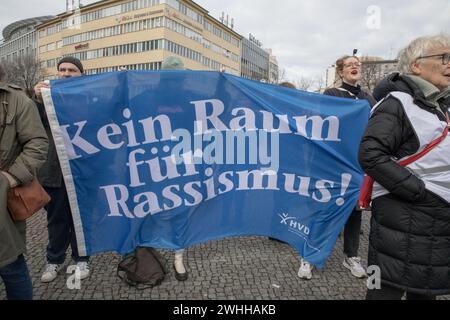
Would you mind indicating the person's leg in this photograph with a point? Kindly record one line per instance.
(17, 280)
(82, 263)
(305, 270)
(180, 271)
(351, 234)
(351, 245)
(59, 225)
(385, 293)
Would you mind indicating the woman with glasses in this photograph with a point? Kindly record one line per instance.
(349, 70)
(410, 228)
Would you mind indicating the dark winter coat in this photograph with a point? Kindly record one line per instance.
(351, 92)
(50, 174)
(410, 227)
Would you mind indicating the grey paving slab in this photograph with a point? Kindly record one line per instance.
(252, 268)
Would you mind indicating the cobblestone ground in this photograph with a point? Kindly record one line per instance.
(251, 268)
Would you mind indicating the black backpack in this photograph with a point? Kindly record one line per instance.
(143, 268)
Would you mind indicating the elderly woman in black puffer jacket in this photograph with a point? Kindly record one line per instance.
(410, 228)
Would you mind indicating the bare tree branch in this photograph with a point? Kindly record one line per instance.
(282, 76)
(304, 83)
(370, 73)
(319, 84)
(24, 72)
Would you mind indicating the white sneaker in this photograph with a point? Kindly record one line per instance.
(83, 268)
(51, 272)
(179, 266)
(354, 265)
(305, 271)
(180, 271)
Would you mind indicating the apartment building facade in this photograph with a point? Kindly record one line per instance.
(138, 35)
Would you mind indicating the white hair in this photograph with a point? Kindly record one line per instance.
(418, 48)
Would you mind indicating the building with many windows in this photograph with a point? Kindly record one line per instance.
(274, 73)
(138, 35)
(19, 39)
(254, 60)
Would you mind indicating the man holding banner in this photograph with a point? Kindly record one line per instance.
(59, 217)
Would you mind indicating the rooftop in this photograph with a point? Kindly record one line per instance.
(10, 29)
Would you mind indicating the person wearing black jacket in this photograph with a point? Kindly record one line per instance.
(61, 230)
(410, 226)
(349, 69)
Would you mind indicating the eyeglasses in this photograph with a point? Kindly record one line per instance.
(352, 64)
(445, 57)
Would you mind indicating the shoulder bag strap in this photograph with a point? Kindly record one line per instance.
(430, 147)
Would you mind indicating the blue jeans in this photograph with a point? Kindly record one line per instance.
(17, 280)
(61, 232)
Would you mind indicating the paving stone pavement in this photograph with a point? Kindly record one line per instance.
(244, 268)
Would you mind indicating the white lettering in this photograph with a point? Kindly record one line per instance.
(202, 117)
(77, 141)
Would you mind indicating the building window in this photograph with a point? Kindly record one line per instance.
(110, 11)
(113, 31)
(217, 32)
(227, 36)
(119, 50)
(182, 51)
(51, 63)
(207, 25)
(51, 46)
(140, 66)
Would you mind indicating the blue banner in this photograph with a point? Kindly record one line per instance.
(175, 158)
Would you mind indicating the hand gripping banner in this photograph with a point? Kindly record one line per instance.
(175, 158)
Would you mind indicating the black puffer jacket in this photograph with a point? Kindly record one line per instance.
(351, 93)
(410, 227)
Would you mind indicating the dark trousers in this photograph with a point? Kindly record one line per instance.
(17, 280)
(389, 293)
(61, 231)
(351, 234)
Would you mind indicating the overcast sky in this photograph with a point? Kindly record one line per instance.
(306, 35)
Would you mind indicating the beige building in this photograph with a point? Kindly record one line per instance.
(273, 67)
(138, 35)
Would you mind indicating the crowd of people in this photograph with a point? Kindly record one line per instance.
(410, 224)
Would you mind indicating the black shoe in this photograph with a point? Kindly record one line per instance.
(180, 276)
